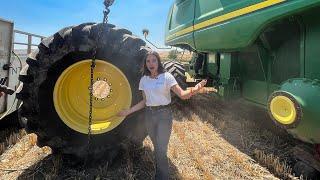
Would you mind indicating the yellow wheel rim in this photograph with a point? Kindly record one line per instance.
(111, 94)
(283, 110)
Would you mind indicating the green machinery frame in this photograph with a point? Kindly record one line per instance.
(264, 51)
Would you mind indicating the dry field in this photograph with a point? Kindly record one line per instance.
(181, 56)
(210, 140)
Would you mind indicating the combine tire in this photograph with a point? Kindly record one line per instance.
(55, 90)
(178, 71)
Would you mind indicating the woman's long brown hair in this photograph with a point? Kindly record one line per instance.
(145, 70)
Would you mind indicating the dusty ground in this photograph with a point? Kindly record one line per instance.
(209, 140)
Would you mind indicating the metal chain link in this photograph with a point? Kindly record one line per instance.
(107, 4)
(93, 64)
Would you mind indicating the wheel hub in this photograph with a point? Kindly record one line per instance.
(101, 89)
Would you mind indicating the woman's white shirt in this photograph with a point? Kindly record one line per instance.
(157, 90)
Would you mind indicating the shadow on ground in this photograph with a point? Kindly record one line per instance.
(246, 127)
(10, 121)
(129, 164)
(10, 131)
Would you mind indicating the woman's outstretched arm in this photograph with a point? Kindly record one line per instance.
(186, 94)
(134, 108)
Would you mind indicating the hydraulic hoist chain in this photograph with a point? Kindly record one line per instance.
(107, 4)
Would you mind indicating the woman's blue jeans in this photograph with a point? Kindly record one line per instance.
(159, 126)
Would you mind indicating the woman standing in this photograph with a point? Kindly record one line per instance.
(155, 86)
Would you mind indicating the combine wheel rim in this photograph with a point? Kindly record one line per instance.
(111, 91)
(284, 109)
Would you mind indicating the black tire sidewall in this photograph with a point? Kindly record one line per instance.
(51, 129)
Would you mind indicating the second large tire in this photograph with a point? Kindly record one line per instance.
(178, 71)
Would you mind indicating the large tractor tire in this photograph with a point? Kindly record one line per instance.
(56, 82)
(178, 71)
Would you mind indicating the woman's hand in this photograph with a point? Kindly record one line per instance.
(200, 85)
(137, 107)
(124, 113)
(186, 94)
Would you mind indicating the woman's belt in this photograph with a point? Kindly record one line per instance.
(158, 107)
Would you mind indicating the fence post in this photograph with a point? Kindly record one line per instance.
(29, 44)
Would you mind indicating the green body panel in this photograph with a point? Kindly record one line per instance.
(181, 16)
(225, 65)
(229, 77)
(184, 40)
(243, 31)
(255, 91)
(307, 93)
(232, 34)
(212, 65)
(208, 9)
(312, 40)
(258, 52)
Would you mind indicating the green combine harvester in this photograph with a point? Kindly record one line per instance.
(72, 86)
(264, 51)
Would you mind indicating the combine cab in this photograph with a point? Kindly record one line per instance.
(264, 51)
